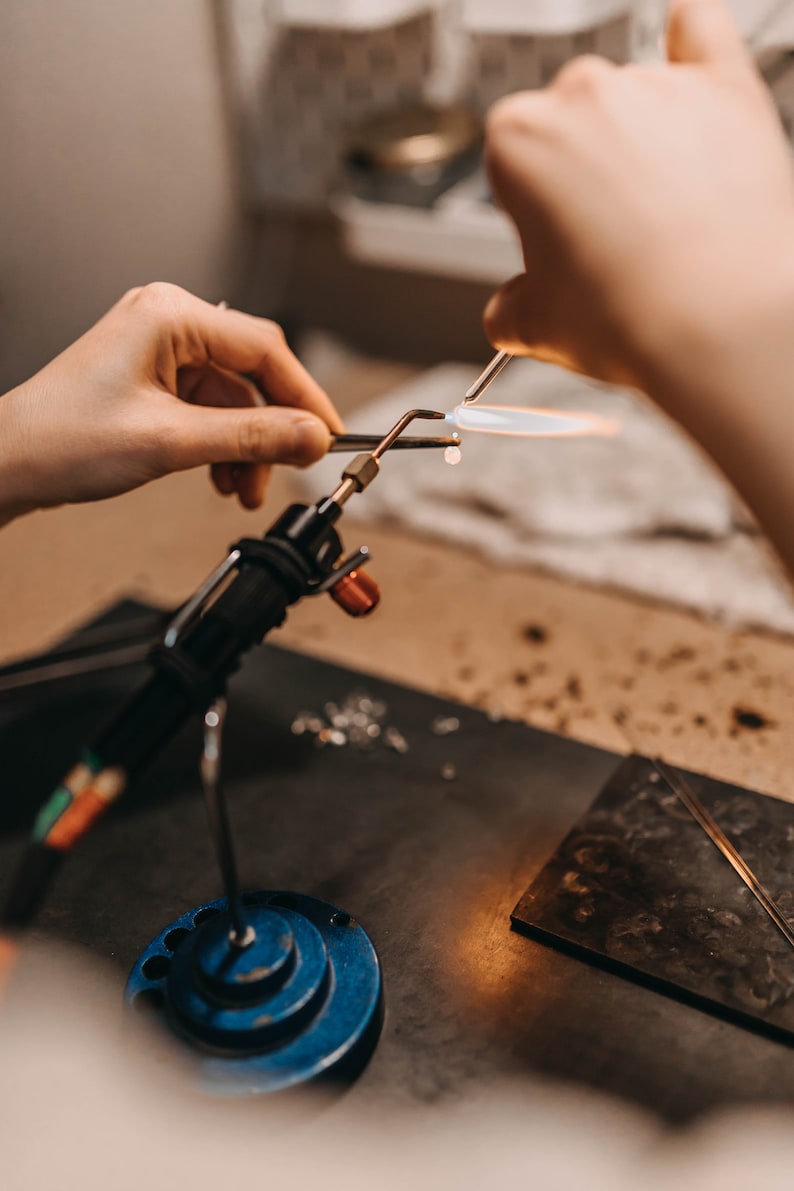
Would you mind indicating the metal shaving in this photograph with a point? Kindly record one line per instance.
(394, 739)
(445, 725)
(357, 721)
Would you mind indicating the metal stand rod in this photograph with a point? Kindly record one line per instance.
(241, 935)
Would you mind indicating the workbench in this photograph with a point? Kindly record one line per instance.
(525, 646)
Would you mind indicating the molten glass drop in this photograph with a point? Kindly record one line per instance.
(452, 455)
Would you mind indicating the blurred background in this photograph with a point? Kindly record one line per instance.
(203, 142)
(318, 162)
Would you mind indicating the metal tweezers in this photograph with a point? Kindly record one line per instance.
(368, 442)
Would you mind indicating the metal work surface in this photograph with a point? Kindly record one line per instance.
(639, 887)
(431, 867)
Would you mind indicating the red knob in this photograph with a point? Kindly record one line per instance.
(357, 593)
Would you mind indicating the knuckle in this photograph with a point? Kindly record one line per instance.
(131, 294)
(273, 338)
(161, 298)
(513, 128)
(273, 331)
(586, 75)
(514, 113)
(256, 440)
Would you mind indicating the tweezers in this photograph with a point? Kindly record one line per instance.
(368, 442)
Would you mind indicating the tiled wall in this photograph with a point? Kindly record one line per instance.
(296, 88)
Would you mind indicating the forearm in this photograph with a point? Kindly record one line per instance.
(655, 205)
(735, 396)
(15, 462)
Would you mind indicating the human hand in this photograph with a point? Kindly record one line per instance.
(655, 207)
(157, 386)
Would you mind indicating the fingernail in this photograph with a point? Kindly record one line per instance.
(489, 315)
(311, 439)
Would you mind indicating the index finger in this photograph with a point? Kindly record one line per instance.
(201, 333)
(260, 350)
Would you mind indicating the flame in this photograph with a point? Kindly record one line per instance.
(531, 422)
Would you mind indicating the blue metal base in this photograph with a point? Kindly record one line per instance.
(302, 1003)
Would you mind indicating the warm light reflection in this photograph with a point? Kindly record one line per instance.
(489, 961)
(8, 955)
(528, 422)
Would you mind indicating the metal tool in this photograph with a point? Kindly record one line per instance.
(686, 795)
(235, 608)
(488, 374)
(241, 935)
(103, 649)
(42, 671)
(362, 470)
(368, 442)
(280, 988)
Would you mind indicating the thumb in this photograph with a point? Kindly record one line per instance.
(515, 322)
(276, 434)
(703, 31)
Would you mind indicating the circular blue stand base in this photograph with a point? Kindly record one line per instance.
(302, 1003)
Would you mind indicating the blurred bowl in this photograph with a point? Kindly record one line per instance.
(411, 155)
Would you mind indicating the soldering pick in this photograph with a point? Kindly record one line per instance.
(488, 374)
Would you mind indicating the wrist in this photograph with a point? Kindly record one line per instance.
(14, 474)
(734, 327)
(727, 376)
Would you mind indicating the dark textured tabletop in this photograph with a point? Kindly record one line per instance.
(431, 867)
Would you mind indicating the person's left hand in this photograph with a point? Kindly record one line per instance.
(158, 385)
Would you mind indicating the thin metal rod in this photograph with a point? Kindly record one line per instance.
(105, 647)
(241, 935)
(199, 598)
(686, 795)
(488, 374)
(413, 415)
(109, 659)
(349, 486)
(367, 442)
(350, 564)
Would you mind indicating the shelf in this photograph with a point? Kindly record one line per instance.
(356, 15)
(543, 17)
(460, 237)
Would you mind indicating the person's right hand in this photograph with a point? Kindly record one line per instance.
(655, 205)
